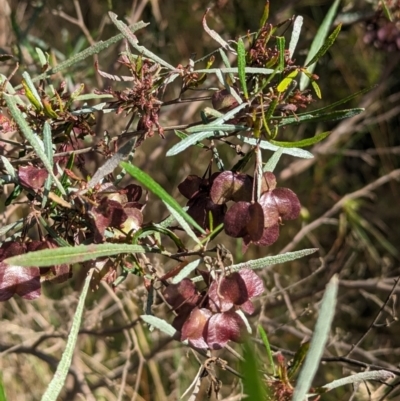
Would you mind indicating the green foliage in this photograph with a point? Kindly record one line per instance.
(78, 205)
(55, 386)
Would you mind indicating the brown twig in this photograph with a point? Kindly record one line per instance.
(365, 191)
(373, 323)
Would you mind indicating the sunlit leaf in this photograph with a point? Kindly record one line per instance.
(206, 131)
(159, 324)
(72, 255)
(297, 24)
(376, 375)
(262, 263)
(317, 89)
(253, 384)
(241, 66)
(182, 222)
(8, 167)
(304, 154)
(318, 41)
(283, 85)
(265, 340)
(189, 268)
(30, 91)
(48, 149)
(325, 47)
(156, 188)
(273, 160)
(53, 390)
(318, 341)
(280, 41)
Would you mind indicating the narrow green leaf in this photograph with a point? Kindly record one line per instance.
(339, 102)
(90, 51)
(14, 195)
(298, 359)
(304, 142)
(386, 11)
(183, 135)
(325, 47)
(127, 32)
(8, 166)
(280, 41)
(159, 324)
(319, 39)
(112, 163)
(265, 340)
(226, 63)
(156, 230)
(75, 254)
(211, 127)
(377, 375)
(241, 52)
(304, 154)
(182, 222)
(42, 57)
(2, 390)
(206, 131)
(53, 390)
(283, 85)
(318, 340)
(31, 92)
(234, 70)
(154, 187)
(48, 150)
(261, 263)
(316, 88)
(265, 15)
(298, 23)
(273, 160)
(189, 268)
(331, 116)
(16, 226)
(31, 137)
(253, 384)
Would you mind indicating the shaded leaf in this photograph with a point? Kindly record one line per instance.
(330, 116)
(304, 142)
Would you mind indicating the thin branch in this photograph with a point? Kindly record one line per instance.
(365, 191)
(376, 318)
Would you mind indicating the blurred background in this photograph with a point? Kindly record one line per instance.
(117, 359)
